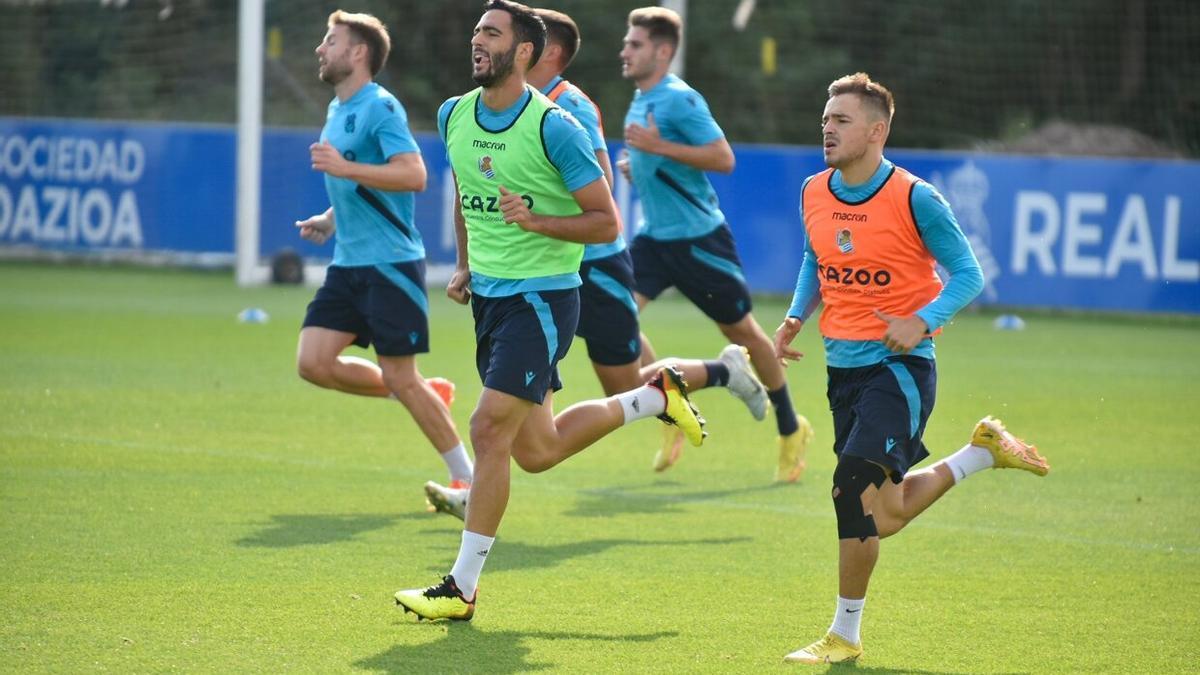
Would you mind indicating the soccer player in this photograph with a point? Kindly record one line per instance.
(684, 241)
(374, 292)
(530, 194)
(874, 235)
(608, 319)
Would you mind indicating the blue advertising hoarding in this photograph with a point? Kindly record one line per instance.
(1050, 232)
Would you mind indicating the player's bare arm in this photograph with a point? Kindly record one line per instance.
(606, 167)
(784, 335)
(715, 156)
(459, 288)
(319, 228)
(903, 332)
(598, 224)
(404, 171)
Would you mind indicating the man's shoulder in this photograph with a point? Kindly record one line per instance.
(383, 103)
(559, 121)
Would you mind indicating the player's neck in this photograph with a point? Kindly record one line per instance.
(652, 81)
(502, 95)
(348, 87)
(861, 170)
(538, 78)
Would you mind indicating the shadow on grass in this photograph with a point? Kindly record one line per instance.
(463, 649)
(515, 555)
(649, 498)
(319, 528)
(849, 668)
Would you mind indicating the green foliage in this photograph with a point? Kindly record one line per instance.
(174, 497)
(963, 73)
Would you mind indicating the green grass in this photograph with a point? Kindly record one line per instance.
(173, 497)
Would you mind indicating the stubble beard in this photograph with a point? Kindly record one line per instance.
(501, 66)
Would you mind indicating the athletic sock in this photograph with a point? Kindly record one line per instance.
(785, 415)
(471, 555)
(967, 461)
(645, 401)
(847, 619)
(459, 463)
(718, 373)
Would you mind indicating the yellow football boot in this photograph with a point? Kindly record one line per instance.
(440, 601)
(680, 410)
(792, 449)
(1008, 451)
(832, 648)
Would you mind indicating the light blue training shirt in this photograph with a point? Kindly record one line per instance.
(373, 226)
(678, 202)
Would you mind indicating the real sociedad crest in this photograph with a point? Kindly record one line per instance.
(843, 241)
(485, 167)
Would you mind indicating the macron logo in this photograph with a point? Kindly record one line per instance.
(528, 377)
(891, 443)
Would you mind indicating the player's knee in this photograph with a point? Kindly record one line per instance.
(532, 462)
(312, 369)
(488, 432)
(851, 479)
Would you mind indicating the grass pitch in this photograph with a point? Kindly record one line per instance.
(173, 497)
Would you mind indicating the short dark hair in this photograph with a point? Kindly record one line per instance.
(369, 30)
(562, 31)
(661, 23)
(874, 94)
(527, 26)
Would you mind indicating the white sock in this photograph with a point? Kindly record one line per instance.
(471, 555)
(645, 401)
(967, 461)
(459, 463)
(847, 619)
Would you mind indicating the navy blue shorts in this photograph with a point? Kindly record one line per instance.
(608, 316)
(521, 338)
(879, 411)
(382, 305)
(706, 270)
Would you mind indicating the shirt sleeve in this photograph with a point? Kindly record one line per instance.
(443, 119)
(570, 150)
(690, 113)
(945, 240)
(808, 287)
(392, 128)
(585, 113)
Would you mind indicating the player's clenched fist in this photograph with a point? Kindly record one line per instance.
(327, 159)
(515, 210)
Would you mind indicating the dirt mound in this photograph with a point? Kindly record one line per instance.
(1096, 140)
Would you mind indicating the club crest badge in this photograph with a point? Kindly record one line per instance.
(843, 241)
(485, 167)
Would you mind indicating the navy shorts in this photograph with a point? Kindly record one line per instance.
(706, 270)
(382, 305)
(521, 338)
(879, 411)
(608, 316)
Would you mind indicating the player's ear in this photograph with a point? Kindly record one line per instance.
(525, 53)
(879, 131)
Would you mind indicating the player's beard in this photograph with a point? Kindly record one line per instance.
(336, 71)
(499, 67)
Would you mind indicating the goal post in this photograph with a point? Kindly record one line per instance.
(249, 267)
